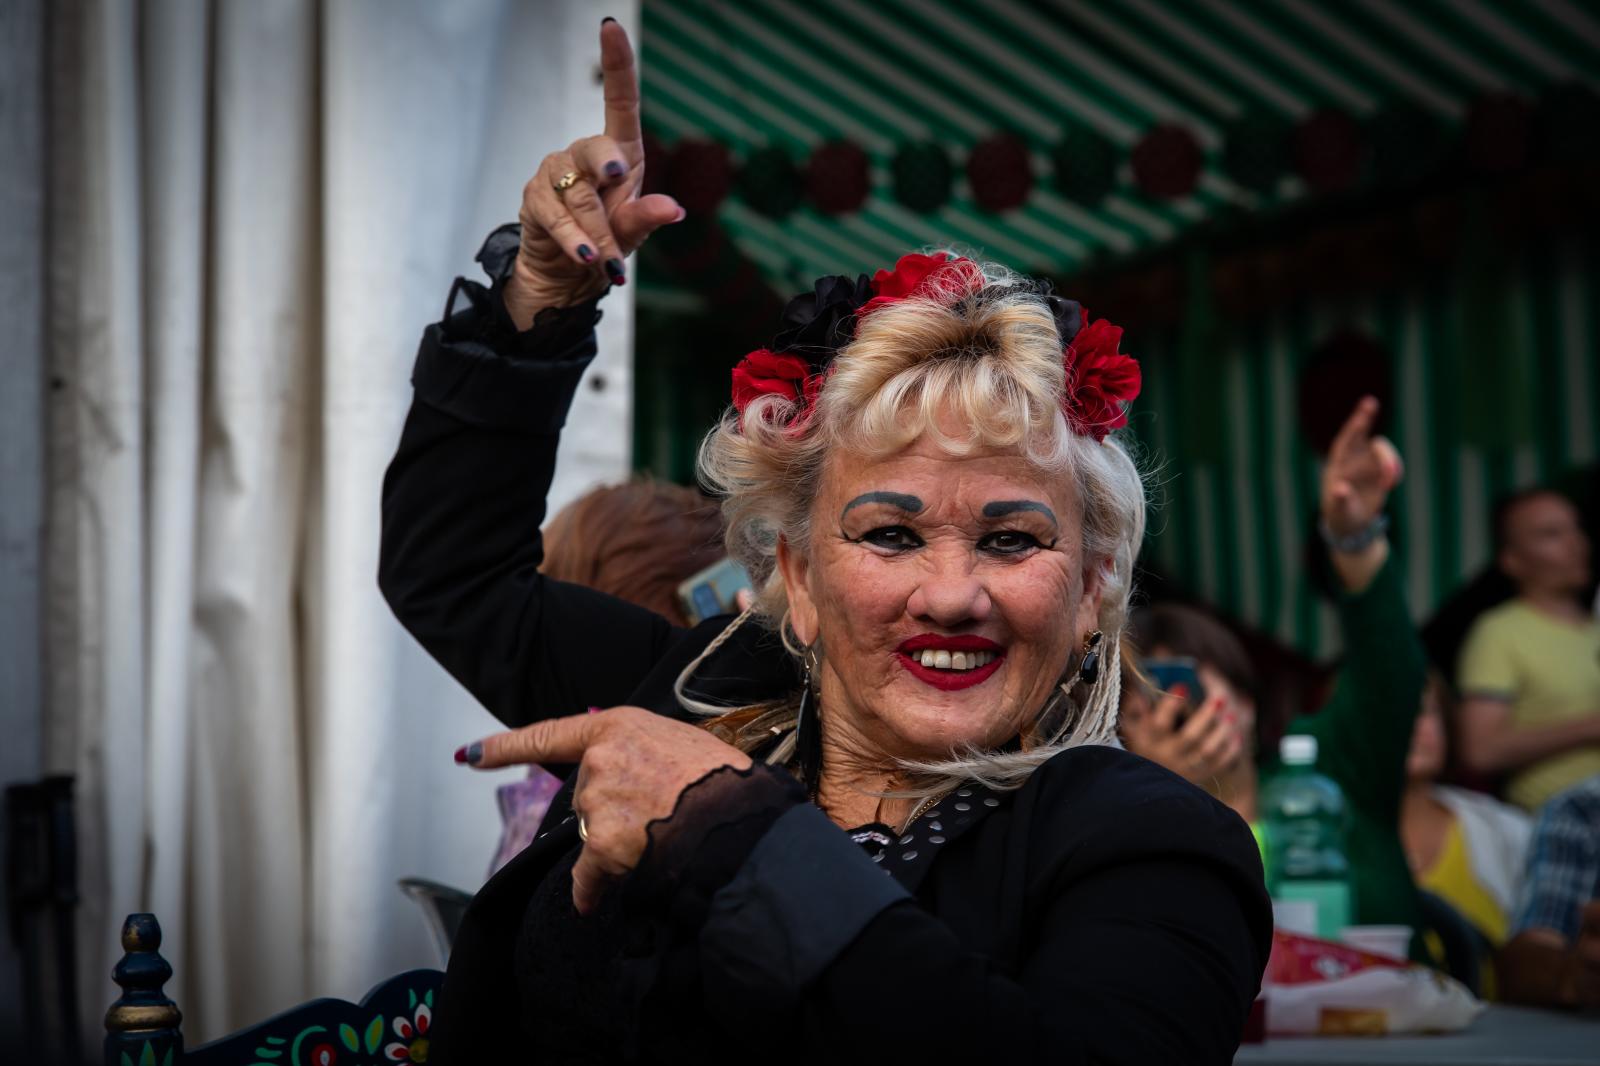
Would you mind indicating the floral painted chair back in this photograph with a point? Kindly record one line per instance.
(392, 1024)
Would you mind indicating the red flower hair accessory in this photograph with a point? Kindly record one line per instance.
(922, 275)
(768, 373)
(822, 321)
(1100, 380)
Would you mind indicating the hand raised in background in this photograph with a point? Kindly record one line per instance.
(581, 211)
(1361, 471)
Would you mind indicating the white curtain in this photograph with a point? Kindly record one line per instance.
(254, 208)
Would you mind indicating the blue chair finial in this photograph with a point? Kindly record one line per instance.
(142, 1025)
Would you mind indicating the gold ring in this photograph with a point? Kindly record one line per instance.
(567, 180)
(583, 830)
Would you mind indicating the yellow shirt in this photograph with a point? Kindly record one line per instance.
(1451, 878)
(1549, 670)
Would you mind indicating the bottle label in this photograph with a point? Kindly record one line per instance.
(1331, 898)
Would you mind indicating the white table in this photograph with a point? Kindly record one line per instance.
(1501, 1036)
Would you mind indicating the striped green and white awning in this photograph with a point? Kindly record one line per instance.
(759, 73)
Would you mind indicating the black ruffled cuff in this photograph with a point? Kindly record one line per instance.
(716, 824)
(485, 320)
(477, 367)
(744, 896)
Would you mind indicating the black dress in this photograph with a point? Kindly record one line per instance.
(1105, 912)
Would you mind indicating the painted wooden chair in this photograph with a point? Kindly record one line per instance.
(390, 1025)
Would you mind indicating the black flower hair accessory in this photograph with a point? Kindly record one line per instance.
(1100, 380)
(820, 322)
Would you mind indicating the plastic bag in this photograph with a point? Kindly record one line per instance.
(1317, 987)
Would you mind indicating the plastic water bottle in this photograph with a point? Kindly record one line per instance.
(1305, 816)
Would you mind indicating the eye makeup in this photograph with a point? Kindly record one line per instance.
(1004, 508)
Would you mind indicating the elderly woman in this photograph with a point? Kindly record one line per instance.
(880, 815)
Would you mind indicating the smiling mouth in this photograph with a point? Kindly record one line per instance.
(950, 662)
(941, 659)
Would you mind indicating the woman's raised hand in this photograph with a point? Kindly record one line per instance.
(632, 766)
(581, 211)
(1362, 470)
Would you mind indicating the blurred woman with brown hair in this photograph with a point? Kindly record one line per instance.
(638, 541)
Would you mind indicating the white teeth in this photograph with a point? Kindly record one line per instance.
(941, 659)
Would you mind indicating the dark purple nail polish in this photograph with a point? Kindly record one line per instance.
(615, 170)
(615, 272)
(585, 253)
(461, 755)
(607, 19)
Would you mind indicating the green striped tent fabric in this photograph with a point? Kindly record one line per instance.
(763, 73)
(759, 73)
(1234, 529)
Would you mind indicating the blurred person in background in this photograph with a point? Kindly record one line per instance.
(1530, 669)
(1553, 957)
(1364, 731)
(637, 541)
(1211, 744)
(1464, 846)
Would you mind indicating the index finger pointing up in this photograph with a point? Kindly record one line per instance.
(621, 84)
(1356, 428)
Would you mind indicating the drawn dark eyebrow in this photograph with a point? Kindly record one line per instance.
(1001, 508)
(903, 501)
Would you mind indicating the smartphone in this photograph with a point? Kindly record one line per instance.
(1167, 674)
(711, 591)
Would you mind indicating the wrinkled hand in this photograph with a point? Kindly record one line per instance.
(632, 766)
(1360, 473)
(1202, 750)
(574, 241)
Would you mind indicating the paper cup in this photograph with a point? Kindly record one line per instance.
(1393, 941)
(1295, 916)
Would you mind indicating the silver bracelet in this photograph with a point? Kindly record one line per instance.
(1357, 542)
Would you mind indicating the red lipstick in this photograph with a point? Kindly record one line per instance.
(949, 680)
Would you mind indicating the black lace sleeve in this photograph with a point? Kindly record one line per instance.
(694, 852)
(464, 499)
(485, 321)
(743, 897)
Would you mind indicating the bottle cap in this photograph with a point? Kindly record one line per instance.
(1298, 749)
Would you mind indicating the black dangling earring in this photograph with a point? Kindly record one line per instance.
(808, 731)
(1089, 671)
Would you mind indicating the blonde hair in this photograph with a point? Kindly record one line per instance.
(993, 357)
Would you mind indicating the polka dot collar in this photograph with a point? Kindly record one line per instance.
(908, 856)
